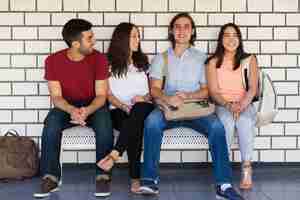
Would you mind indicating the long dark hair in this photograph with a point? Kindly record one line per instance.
(119, 51)
(171, 37)
(219, 53)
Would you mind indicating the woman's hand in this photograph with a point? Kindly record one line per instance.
(138, 98)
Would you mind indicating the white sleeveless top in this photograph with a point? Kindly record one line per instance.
(126, 87)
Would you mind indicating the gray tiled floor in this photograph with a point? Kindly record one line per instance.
(177, 183)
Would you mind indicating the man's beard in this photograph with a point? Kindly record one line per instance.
(85, 52)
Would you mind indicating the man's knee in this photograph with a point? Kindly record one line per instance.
(55, 118)
(217, 129)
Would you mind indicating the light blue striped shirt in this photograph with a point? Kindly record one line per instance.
(185, 73)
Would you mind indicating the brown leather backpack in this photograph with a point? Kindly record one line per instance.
(18, 156)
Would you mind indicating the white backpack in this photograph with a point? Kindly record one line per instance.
(266, 100)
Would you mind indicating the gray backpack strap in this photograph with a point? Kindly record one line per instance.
(164, 68)
(245, 64)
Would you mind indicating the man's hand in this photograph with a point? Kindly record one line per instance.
(184, 95)
(175, 100)
(77, 117)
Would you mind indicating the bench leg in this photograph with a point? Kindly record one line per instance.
(61, 165)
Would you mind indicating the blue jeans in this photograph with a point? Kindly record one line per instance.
(58, 120)
(210, 126)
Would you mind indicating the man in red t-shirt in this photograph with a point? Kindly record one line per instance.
(77, 81)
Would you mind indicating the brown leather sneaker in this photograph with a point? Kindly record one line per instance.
(47, 187)
(102, 186)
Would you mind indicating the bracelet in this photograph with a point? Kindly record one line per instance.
(226, 104)
(122, 106)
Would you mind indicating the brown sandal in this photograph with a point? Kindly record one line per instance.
(135, 186)
(246, 181)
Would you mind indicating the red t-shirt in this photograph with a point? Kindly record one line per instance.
(77, 79)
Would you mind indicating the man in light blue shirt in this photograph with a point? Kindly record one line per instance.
(185, 79)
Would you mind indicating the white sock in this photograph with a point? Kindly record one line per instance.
(225, 186)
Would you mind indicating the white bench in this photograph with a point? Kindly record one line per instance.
(81, 138)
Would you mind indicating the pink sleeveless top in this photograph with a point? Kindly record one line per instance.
(230, 83)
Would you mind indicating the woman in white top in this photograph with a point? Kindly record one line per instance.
(129, 98)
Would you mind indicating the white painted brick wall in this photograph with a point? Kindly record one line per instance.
(5, 33)
(11, 102)
(5, 116)
(37, 19)
(284, 60)
(281, 102)
(12, 75)
(285, 6)
(134, 5)
(35, 74)
(47, 33)
(22, 5)
(24, 116)
(264, 33)
(284, 142)
(24, 88)
(234, 5)
(264, 60)
(5, 89)
(4, 6)
(272, 129)
(272, 155)
(115, 18)
(155, 5)
(286, 33)
(11, 46)
(155, 33)
(292, 156)
(75, 5)
(23, 61)
(237, 156)
(270, 19)
(5, 61)
(293, 74)
(220, 19)
(209, 33)
(43, 88)
(94, 18)
(208, 6)
(292, 128)
(11, 19)
(260, 6)
(287, 87)
(293, 101)
(97, 5)
(262, 143)
(61, 18)
(293, 19)
(143, 19)
(272, 47)
(20, 128)
(293, 47)
(37, 46)
(286, 116)
(31, 29)
(247, 19)
(186, 6)
(276, 74)
(49, 5)
(32, 102)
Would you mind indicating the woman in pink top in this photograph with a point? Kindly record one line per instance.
(234, 101)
